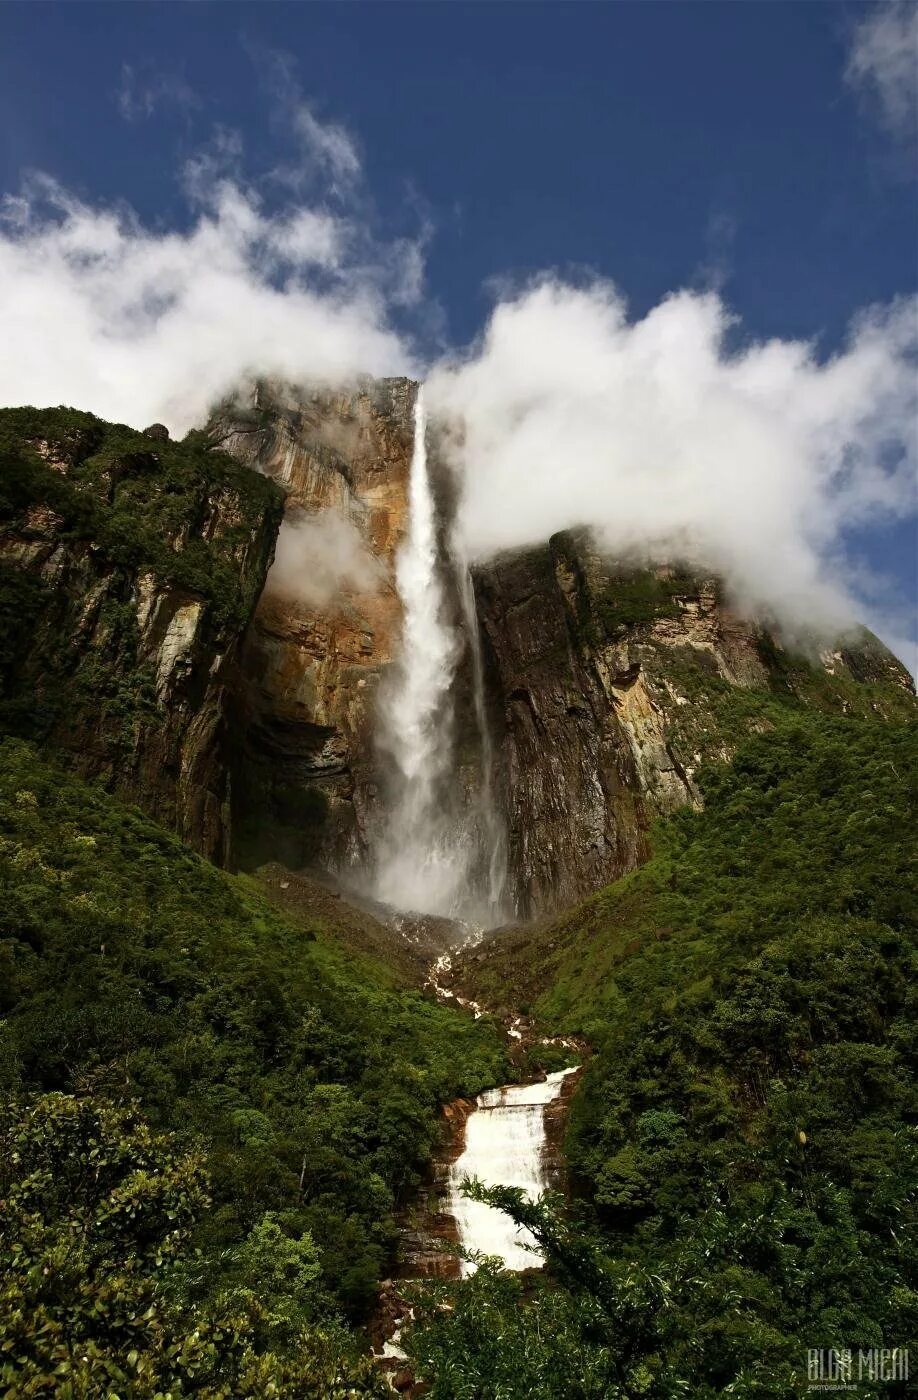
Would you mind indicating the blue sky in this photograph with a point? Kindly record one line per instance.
(662, 146)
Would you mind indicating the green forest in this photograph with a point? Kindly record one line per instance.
(212, 1111)
(743, 1144)
(214, 1108)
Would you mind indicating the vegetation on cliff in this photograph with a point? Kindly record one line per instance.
(140, 502)
(298, 1083)
(743, 1144)
(129, 566)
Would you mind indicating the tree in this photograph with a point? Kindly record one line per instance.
(95, 1245)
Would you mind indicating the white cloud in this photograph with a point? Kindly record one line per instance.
(139, 324)
(883, 62)
(141, 93)
(328, 143)
(325, 149)
(309, 237)
(654, 433)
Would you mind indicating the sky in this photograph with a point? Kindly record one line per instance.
(606, 194)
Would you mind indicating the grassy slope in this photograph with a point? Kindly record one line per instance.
(304, 897)
(131, 966)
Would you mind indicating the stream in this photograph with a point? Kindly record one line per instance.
(505, 1145)
(503, 1139)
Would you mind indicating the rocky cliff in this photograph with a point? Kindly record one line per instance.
(140, 638)
(129, 566)
(609, 686)
(329, 620)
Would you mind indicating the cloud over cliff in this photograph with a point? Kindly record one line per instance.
(666, 439)
(138, 323)
(320, 558)
(667, 434)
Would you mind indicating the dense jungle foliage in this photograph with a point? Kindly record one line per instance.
(301, 1081)
(130, 497)
(95, 512)
(100, 1290)
(211, 1109)
(744, 1141)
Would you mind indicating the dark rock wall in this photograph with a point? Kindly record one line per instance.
(566, 776)
(307, 776)
(609, 687)
(110, 654)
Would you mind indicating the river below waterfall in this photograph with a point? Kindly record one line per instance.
(505, 1145)
(505, 1140)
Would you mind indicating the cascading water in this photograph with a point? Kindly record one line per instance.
(421, 865)
(504, 1145)
(442, 851)
(439, 849)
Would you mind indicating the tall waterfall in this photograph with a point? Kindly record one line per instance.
(440, 850)
(418, 866)
(504, 1145)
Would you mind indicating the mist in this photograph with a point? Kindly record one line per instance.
(673, 437)
(319, 557)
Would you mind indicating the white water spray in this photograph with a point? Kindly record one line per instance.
(440, 849)
(504, 1145)
(418, 866)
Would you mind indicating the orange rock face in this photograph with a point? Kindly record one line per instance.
(329, 620)
(586, 663)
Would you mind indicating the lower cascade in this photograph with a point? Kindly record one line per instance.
(505, 1145)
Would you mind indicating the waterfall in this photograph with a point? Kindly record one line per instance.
(418, 866)
(437, 851)
(504, 1145)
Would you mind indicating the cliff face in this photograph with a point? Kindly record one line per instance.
(609, 687)
(129, 566)
(139, 638)
(329, 620)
